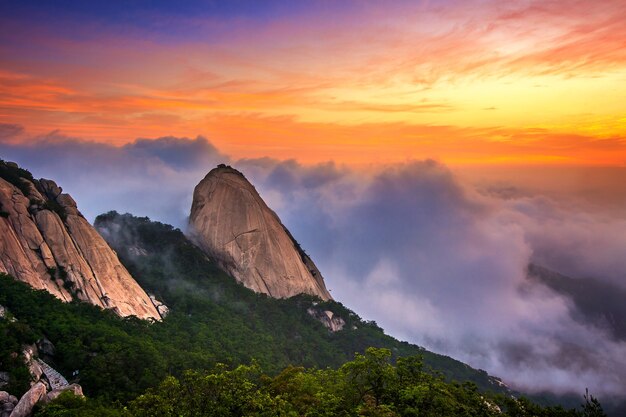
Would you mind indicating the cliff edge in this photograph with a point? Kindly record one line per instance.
(47, 243)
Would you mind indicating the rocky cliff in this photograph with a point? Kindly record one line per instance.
(234, 226)
(47, 243)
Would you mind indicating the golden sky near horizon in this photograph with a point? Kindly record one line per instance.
(477, 82)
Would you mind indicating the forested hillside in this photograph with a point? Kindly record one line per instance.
(129, 368)
(225, 316)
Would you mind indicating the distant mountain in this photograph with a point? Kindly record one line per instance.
(596, 301)
(47, 243)
(230, 221)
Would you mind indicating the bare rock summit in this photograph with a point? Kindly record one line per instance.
(233, 225)
(47, 243)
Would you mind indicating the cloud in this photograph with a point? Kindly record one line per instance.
(179, 153)
(10, 130)
(148, 177)
(410, 79)
(413, 246)
(436, 262)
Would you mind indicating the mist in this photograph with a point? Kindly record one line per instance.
(432, 255)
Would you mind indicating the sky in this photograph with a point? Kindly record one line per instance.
(423, 153)
(464, 82)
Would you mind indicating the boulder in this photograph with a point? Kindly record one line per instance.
(45, 347)
(35, 370)
(24, 407)
(74, 388)
(160, 306)
(6, 404)
(69, 205)
(29, 352)
(49, 188)
(6, 409)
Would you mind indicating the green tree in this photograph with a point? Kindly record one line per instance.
(370, 374)
(592, 407)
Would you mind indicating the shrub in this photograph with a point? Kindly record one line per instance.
(15, 175)
(55, 207)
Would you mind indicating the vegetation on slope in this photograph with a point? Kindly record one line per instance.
(277, 333)
(367, 386)
(13, 174)
(249, 354)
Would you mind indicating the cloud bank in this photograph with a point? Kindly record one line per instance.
(437, 263)
(154, 178)
(432, 259)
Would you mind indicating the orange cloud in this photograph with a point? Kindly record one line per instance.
(467, 83)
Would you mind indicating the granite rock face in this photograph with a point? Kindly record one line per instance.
(26, 404)
(234, 226)
(331, 321)
(48, 244)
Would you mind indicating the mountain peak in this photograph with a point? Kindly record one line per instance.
(47, 243)
(230, 221)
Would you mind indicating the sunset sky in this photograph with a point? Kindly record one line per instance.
(424, 153)
(358, 82)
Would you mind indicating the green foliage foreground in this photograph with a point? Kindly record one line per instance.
(116, 354)
(367, 386)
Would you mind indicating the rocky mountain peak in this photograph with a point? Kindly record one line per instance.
(47, 243)
(230, 221)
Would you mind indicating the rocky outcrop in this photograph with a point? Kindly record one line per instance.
(159, 305)
(234, 226)
(24, 407)
(329, 319)
(30, 352)
(47, 384)
(7, 404)
(45, 348)
(47, 243)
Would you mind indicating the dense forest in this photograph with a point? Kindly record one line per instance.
(369, 385)
(126, 372)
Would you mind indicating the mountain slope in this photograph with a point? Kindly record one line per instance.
(278, 332)
(48, 244)
(233, 225)
(130, 368)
